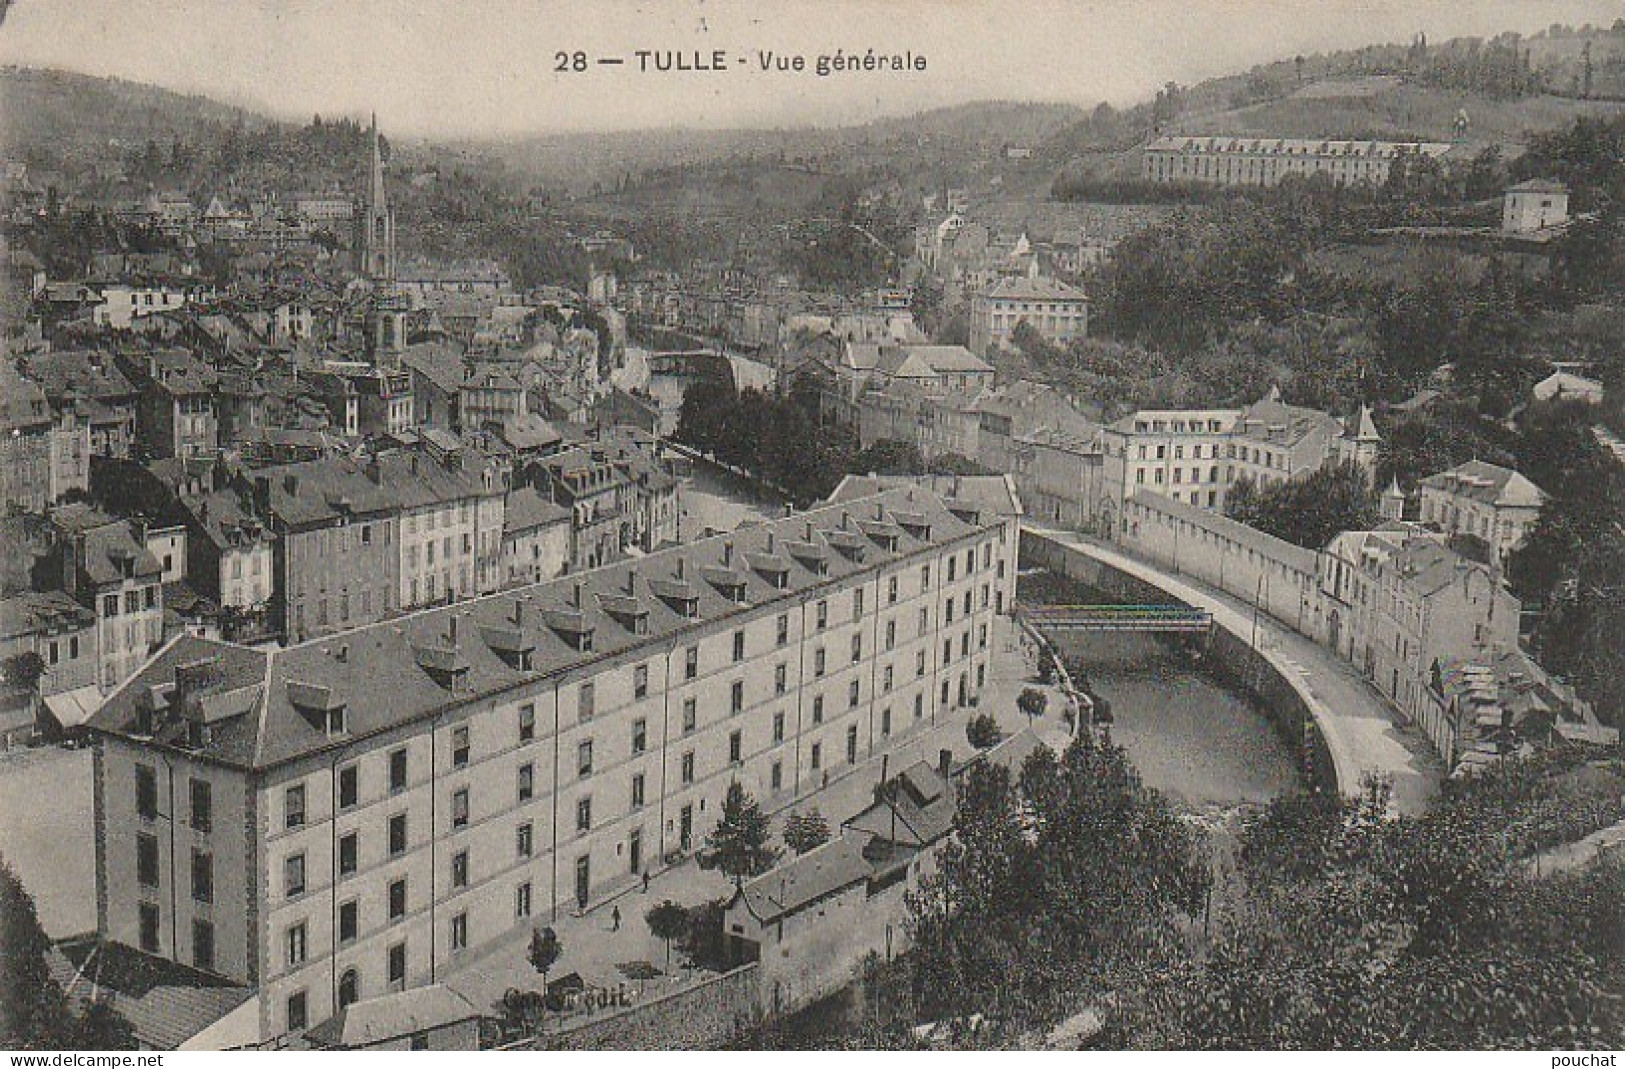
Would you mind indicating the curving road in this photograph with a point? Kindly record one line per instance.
(1362, 730)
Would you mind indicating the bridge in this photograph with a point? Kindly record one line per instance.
(1175, 619)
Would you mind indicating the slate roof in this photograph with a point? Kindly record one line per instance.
(1538, 185)
(401, 1013)
(798, 883)
(528, 510)
(40, 613)
(377, 672)
(165, 1003)
(72, 370)
(1488, 483)
(1035, 289)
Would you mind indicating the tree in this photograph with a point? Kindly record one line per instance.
(667, 921)
(982, 731)
(740, 842)
(545, 951)
(1032, 702)
(889, 456)
(34, 1012)
(23, 670)
(1310, 511)
(803, 831)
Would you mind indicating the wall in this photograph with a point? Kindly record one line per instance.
(701, 1017)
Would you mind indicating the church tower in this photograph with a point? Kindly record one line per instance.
(375, 244)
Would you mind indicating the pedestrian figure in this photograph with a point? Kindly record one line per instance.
(645, 883)
(615, 919)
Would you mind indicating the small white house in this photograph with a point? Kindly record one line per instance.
(1567, 386)
(1533, 206)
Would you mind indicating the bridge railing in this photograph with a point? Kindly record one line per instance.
(1117, 617)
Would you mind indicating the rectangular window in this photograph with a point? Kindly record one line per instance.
(817, 756)
(852, 745)
(783, 629)
(524, 839)
(885, 722)
(640, 681)
(293, 806)
(297, 1018)
(857, 648)
(347, 922)
(852, 695)
(637, 790)
(202, 809)
(585, 701)
(891, 590)
(584, 759)
(823, 615)
(780, 678)
(736, 748)
(891, 634)
(818, 661)
(527, 781)
(739, 645)
(397, 963)
(688, 768)
(397, 770)
(691, 662)
(584, 815)
(202, 944)
(857, 603)
(776, 778)
(397, 899)
(521, 901)
(397, 834)
(347, 854)
(297, 944)
(640, 736)
(459, 746)
(146, 859)
(818, 709)
(202, 876)
(349, 788)
(527, 722)
(736, 697)
(149, 927)
(886, 680)
(689, 715)
(925, 578)
(459, 808)
(293, 875)
(459, 869)
(778, 726)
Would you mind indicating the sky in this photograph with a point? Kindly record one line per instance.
(485, 68)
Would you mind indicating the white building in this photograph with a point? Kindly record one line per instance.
(1535, 205)
(1490, 502)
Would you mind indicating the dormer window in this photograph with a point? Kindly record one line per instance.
(729, 583)
(321, 708)
(571, 625)
(627, 610)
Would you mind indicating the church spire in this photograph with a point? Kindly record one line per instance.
(376, 201)
(376, 245)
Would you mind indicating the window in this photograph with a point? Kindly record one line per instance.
(783, 629)
(857, 648)
(689, 715)
(585, 700)
(776, 778)
(297, 1019)
(347, 854)
(857, 604)
(919, 664)
(688, 768)
(459, 746)
(293, 875)
(524, 839)
(640, 736)
(397, 963)
(149, 927)
(952, 568)
(297, 944)
(584, 815)
(397, 834)
(925, 621)
(818, 709)
(521, 901)
(146, 859)
(739, 645)
(736, 748)
(736, 695)
(818, 661)
(817, 756)
(780, 678)
(891, 634)
(823, 615)
(203, 944)
(459, 808)
(459, 869)
(778, 726)
(202, 808)
(397, 770)
(637, 791)
(925, 577)
(691, 662)
(527, 722)
(293, 806)
(397, 899)
(852, 745)
(852, 695)
(202, 876)
(919, 706)
(347, 922)
(348, 787)
(640, 681)
(885, 722)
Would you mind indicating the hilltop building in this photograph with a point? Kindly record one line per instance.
(1265, 161)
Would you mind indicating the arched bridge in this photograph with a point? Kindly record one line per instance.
(1179, 619)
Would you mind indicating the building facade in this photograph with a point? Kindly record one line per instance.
(1265, 161)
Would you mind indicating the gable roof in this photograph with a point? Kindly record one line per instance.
(1488, 483)
(401, 1013)
(800, 882)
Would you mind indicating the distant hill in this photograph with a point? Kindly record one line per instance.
(54, 117)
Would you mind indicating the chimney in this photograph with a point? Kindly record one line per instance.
(809, 537)
(727, 554)
(519, 612)
(342, 654)
(631, 582)
(290, 483)
(770, 541)
(945, 764)
(846, 520)
(575, 595)
(375, 470)
(451, 627)
(679, 569)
